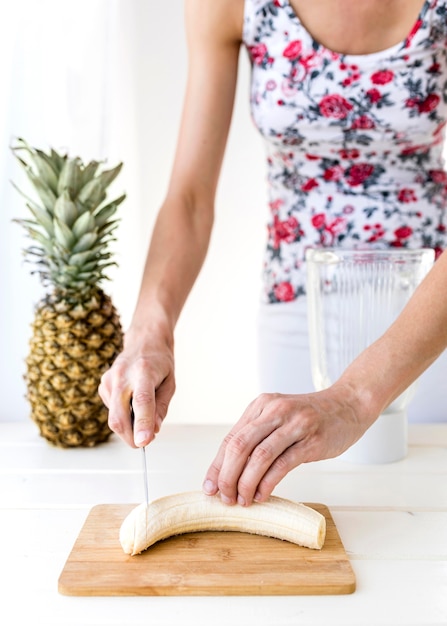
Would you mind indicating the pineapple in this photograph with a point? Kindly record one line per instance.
(76, 330)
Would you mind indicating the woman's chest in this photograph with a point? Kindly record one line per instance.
(357, 26)
(304, 92)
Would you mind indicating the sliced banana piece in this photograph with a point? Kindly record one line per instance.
(194, 511)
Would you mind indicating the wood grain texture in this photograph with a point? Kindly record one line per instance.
(201, 563)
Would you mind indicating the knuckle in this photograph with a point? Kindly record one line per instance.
(225, 486)
(227, 440)
(281, 465)
(265, 398)
(262, 453)
(142, 398)
(214, 469)
(244, 486)
(278, 405)
(115, 425)
(162, 409)
(119, 369)
(268, 483)
(237, 444)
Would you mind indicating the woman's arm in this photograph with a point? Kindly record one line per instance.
(279, 432)
(418, 336)
(145, 369)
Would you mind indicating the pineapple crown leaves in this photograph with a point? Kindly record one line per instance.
(70, 226)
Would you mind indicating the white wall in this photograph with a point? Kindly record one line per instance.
(114, 90)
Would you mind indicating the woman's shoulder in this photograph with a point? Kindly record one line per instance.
(220, 18)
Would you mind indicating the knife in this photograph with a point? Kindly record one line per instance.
(143, 452)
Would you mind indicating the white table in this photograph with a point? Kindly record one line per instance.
(392, 520)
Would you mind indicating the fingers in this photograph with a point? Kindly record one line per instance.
(137, 381)
(256, 454)
(211, 483)
(116, 395)
(143, 402)
(267, 481)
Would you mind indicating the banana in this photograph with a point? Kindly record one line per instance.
(194, 511)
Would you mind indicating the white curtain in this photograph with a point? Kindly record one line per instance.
(105, 79)
(68, 82)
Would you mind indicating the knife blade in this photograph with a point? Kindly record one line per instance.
(144, 461)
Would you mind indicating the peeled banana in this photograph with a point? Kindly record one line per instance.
(194, 511)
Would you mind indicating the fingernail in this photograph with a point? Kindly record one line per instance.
(209, 487)
(141, 436)
(257, 496)
(241, 500)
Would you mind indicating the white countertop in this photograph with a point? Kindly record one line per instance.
(392, 520)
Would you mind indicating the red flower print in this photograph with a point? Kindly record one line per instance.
(377, 232)
(337, 226)
(417, 149)
(429, 104)
(363, 122)
(258, 53)
(309, 185)
(358, 173)
(411, 103)
(333, 173)
(311, 60)
(334, 105)
(374, 95)
(284, 292)
(403, 232)
(346, 153)
(275, 205)
(288, 230)
(439, 128)
(382, 77)
(318, 220)
(293, 50)
(413, 31)
(328, 230)
(438, 176)
(406, 195)
(434, 68)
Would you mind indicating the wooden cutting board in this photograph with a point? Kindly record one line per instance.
(201, 563)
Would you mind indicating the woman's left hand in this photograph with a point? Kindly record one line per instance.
(277, 433)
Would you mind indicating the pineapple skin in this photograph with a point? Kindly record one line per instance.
(75, 339)
(76, 331)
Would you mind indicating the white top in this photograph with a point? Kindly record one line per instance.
(354, 142)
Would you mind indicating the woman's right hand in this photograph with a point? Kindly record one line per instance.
(143, 373)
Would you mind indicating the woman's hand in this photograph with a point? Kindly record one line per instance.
(143, 373)
(277, 433)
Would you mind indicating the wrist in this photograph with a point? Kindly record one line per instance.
(360, 397)
(152, 326)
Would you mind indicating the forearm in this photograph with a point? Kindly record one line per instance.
(418, 336)
(183, 228)
(176, 253)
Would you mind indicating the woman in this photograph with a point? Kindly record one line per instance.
(354, 129)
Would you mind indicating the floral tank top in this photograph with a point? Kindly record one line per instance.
(354, 142)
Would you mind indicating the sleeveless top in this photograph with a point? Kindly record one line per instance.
(354, 142)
